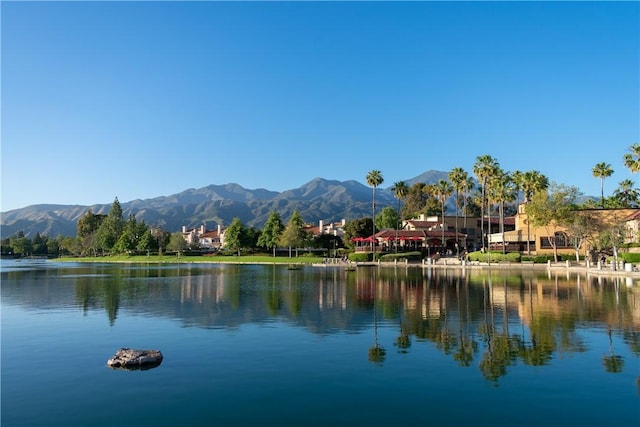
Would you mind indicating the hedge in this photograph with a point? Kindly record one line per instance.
(630, 257)
(411, 256)
(360, 257)
(493, 256)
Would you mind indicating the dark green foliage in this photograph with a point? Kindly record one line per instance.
(543, 259)
(494, 256)
(411, 256)
(630, 257)
(361, 227)
(360, 257)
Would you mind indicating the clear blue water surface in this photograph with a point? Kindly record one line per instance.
(263, 345)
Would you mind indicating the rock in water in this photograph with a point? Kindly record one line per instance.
(128, 358)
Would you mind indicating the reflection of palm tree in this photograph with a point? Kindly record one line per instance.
(464, 355)
(403, 341)
(613, 363)
(377, 353)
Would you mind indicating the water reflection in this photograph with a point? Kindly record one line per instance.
(489, 319)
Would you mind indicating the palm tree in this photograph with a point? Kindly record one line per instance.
(503, 190)
(400, 191)
(458, 178)
(443, 190)
(532, 182)
(517, 177)
(632, 160)
(374, 179)
(626, 194)
(483, 169)
(602, 170)
(466, 188)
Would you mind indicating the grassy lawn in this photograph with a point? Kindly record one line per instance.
(248, 259)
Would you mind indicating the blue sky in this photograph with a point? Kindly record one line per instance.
(142, 99)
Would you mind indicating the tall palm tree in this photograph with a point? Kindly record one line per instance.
(443, 190)
(602, 170)
(532, 182)
(632, 160)
(458, 177)
(466, 188)
(502, 190)
(483, 169)
(400, 191)
(517, 177)
(374, 179)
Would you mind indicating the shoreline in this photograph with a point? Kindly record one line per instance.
(441, 264)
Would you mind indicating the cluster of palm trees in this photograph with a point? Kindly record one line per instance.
(498, 188)
(626, 192)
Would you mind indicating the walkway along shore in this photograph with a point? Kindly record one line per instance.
(621, 270)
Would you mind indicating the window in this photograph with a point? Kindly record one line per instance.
(561, 240)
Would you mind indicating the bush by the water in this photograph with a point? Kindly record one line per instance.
(630, 257)
(411, 256)
(360, 257)
(493, 256)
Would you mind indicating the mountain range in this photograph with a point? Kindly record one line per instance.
(319, 199)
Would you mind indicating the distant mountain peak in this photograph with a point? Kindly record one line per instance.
(318, 199)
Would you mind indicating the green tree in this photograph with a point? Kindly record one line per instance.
(89, 223)
(374, 179)
(271, 232)
(39, 245)
(147, 242)
(602, 170)
(357, 228)
(415, 201)
(53, 247)
(632, 159)
(234, 236)
(130, 236)
(111, 227)
(551, 209)
(177, 243)
(294, 235)
(387, 218)
(21, 245)
(162, 237)
(580, 227)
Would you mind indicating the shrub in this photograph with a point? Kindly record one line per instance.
(360, 257)
(630, 257)
(411, 256)
(494, 256)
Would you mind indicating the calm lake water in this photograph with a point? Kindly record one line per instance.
(262, 345)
